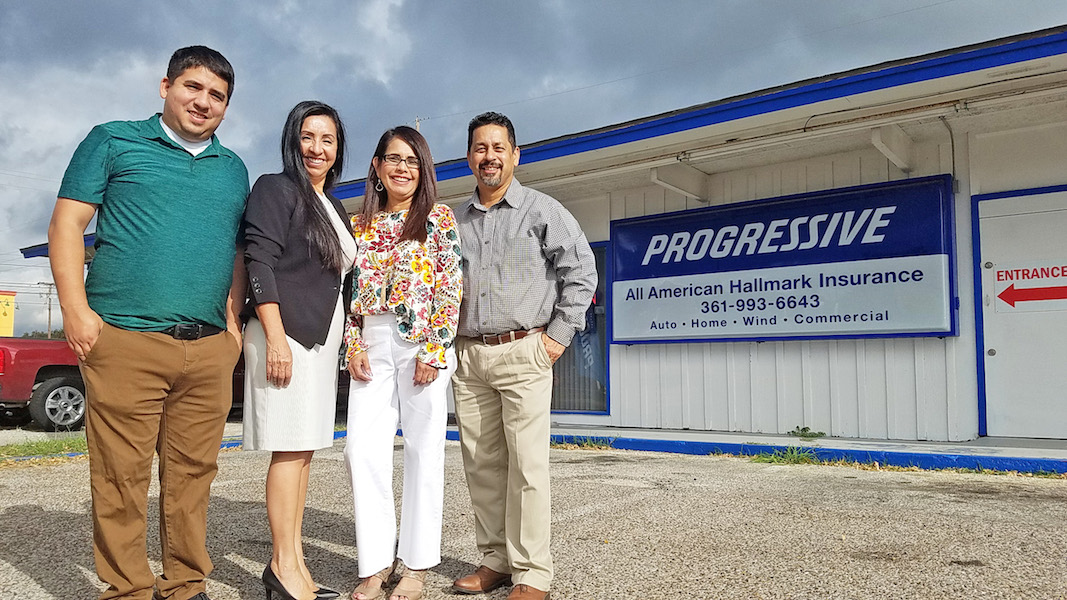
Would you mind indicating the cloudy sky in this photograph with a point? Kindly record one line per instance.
(555, 67)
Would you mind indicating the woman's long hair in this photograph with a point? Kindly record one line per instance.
(320, 230)
(425, 194)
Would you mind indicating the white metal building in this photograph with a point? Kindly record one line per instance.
(992, 116)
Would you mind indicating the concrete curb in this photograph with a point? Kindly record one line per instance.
(922, 460)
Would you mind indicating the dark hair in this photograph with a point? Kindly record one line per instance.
(191, 57)
(320, 229)
(490, 118)
(425, 194)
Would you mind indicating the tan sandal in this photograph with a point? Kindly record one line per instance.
(405, 589)
(365, 585)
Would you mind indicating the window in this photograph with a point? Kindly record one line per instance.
(581, 374)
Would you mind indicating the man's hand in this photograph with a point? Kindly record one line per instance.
(82, 328)
(554, 348)
(359, 367)
(424, 373)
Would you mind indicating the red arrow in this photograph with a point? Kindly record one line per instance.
(1012, 295)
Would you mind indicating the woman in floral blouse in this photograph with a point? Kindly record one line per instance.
(400, 336)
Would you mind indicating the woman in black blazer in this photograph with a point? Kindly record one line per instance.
(299, 253)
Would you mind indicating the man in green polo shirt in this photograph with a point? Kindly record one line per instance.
(149, 322)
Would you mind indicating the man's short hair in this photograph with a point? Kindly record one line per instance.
(490, 118)
(191, 57)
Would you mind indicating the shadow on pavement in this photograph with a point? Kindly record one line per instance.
(54, 547)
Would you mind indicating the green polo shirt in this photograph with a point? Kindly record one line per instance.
(166, 224)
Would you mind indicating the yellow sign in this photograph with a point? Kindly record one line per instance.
(7, 313)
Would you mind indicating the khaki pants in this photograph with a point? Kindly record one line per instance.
(503, 397)
(150, 392)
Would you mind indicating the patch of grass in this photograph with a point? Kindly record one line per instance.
(983, 471)
(50, 447)
(586, 443)
(793, 455)
(805, 433)
(876, 466)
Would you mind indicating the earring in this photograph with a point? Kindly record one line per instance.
(378, 187)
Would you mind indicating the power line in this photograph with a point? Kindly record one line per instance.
(24, 262)
(28, 175)
(51, 190)
(25, 287)
(687, 63)
(8, 266)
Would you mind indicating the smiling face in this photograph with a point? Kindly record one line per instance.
(401, 181)
(318, 147)
(194, 103)
(491, 157)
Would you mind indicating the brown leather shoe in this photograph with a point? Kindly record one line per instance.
(525, 592)
(481, 581)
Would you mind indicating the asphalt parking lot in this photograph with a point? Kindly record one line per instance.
(625, 525)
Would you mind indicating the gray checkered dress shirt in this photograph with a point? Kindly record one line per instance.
(526, 264)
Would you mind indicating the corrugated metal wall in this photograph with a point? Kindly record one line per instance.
(899, 388)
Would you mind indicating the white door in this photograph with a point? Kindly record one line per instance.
(1024, 312)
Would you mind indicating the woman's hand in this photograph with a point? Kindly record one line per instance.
(279, 363)
(424, 373)
(359, 367)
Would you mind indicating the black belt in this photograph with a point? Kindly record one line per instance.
(191, 331)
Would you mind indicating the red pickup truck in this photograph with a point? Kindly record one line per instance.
(41, 377)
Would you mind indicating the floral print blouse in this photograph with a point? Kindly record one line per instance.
(419, 282)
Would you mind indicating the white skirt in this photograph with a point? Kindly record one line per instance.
(301, 416)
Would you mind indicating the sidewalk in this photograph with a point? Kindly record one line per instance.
(625, 524)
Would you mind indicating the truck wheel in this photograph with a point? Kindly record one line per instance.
(58, 403)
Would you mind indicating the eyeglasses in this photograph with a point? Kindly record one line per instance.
(395, 159)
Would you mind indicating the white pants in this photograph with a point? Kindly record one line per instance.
(375, 408)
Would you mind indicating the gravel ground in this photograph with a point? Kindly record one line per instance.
(625, 525)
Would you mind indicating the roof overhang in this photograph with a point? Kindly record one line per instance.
(40, 250)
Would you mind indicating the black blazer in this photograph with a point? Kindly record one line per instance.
(284, 267)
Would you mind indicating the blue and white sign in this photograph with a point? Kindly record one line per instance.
(858, 262)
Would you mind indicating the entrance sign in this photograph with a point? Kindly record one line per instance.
(1031, 287)
(866, 261)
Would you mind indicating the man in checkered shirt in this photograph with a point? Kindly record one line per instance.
(528, 278)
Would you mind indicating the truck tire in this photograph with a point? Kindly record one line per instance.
(58, 404)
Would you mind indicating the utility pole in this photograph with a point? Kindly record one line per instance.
(417, 120)
(50, 286)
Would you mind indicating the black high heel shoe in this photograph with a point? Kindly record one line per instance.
(272, 585)
(325, 593)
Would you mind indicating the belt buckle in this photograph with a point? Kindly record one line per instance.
(188, 331)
